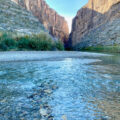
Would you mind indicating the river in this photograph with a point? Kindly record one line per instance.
(59, 86)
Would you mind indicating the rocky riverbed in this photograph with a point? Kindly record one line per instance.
(59, 86)
(32, 106)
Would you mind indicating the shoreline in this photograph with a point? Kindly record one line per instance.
(107, 49)
(8, 56)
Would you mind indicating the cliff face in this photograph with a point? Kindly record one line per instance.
(56, 24)
(14, 18)
(97, 23)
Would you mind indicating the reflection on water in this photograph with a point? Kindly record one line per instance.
(86, 88)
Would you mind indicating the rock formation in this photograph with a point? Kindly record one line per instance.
(14, 18)
(56, 24)
(97, 23)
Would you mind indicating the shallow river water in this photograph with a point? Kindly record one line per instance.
(59, 86)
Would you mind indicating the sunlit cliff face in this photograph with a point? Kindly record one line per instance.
(96, 23)
(101, 6)
(53, 22)
(16, 1)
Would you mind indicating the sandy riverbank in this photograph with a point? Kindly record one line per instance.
(41, 55)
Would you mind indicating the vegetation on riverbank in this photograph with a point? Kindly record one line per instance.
(109, 49)
(12, 41)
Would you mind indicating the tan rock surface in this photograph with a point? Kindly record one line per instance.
(96, 23)
(55, 23)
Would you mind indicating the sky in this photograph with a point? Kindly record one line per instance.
(67, 8)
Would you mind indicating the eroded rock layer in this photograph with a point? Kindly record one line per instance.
(97, 23)
(56, 24)
(14, 18)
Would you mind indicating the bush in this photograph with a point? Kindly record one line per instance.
(3, 46)
(109, 49)
(7, 42)
(40, 41)
(59, 45)
(23, 42)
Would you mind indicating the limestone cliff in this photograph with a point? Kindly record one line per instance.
(97, 23)
(14, 18)
(56, 24)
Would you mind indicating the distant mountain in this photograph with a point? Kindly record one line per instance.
(97, 23)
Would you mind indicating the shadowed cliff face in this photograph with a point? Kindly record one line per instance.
(97, 23)
(56, 24)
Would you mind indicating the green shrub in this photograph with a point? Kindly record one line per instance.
(59, 45)
(10, 41)
(3, 46)
(41, 42)
(23, 42)
(110, 49)
(7, 42)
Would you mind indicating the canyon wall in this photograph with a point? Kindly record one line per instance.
(53, 22)
(14, 18)
(97, 23)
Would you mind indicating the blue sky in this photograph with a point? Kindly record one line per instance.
(67, 8)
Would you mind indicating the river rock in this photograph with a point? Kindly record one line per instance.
(48, 91)
(43, 112)
(54, 87)
(64, 117)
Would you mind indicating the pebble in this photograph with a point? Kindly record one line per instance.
(54, 87)
(3, 101)
(35, 103)
(48, 91)
(64, 117)
(50, 117)
(43, 112)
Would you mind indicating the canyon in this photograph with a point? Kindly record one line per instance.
(54, 23)
(96, 24)
(41, 81)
